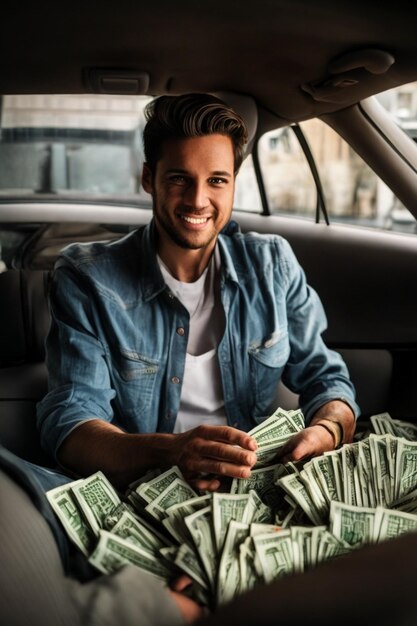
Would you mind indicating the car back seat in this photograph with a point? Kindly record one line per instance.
(24, 323)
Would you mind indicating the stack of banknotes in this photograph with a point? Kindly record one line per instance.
(283, 519)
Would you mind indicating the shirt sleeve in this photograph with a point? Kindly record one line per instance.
(79, 387)
(314, 371)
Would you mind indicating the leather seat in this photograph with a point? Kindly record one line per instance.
(24, 323)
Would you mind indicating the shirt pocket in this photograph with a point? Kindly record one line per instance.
(136, 377)
(267, 361)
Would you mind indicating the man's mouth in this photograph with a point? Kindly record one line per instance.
(194, 220)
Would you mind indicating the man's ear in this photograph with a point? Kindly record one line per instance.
(147, 178)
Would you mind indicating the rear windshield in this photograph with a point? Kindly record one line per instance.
(70, 145)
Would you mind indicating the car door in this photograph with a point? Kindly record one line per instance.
(365, 274)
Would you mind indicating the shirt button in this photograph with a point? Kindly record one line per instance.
(175, 380)
(181, 331)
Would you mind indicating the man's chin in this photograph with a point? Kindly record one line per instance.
(188, 242)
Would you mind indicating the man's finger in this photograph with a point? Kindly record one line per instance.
(181, 583)
(203, 465)
(204, 484)
(308, 443)
(223, 452)
(227, 434)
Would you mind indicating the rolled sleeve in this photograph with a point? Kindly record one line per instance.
(314, 371)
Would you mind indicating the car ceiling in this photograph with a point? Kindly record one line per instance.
(264, 48)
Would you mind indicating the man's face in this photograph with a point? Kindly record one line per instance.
(192, 190)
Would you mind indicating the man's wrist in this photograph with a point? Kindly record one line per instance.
(334, 428)
(339, 413)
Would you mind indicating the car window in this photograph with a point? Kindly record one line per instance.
(247, 196)
(71, 145)
(289, 184)
(353, 193)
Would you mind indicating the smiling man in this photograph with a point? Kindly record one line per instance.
(192, 200)
(167, 345)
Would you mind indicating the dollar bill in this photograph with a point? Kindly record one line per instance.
(225, 508)
(201, 530)
(112, 552)
(96, 498)
(65, 506)
(406, 468)
(275, 553)
(352, 524)
(130, 528)
(228, 581)
(390, 524)
(177, 491)
(150, 490)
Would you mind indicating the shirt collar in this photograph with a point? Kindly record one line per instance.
(151, 277)
(152, 280)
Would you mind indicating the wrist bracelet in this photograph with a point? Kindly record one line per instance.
(335, 429)
(339, 425)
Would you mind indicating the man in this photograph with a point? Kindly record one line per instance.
(166, 346)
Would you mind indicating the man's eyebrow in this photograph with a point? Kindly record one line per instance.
(178, 170)
(175, 170)
(222, 173)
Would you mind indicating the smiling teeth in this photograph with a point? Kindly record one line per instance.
(194, 220)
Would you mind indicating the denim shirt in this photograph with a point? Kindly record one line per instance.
(116, 348)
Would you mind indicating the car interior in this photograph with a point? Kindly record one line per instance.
(280, 64)
(295, 61)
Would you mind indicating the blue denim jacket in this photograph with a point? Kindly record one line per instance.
(114, 353)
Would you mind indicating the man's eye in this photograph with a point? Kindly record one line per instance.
(217, 181)
(178, 180)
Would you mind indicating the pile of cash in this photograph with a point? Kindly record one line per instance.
(283, 519)
(383, 424)
(378, 471)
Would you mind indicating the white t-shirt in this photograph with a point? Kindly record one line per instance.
(202, 393)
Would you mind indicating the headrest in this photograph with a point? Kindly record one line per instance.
(246, 107)
(24, 316)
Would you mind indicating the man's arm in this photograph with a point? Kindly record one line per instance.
(124, 457)
(315, 372)
(318, 374)
(333, 424)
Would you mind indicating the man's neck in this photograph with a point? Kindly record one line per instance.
(185, 265)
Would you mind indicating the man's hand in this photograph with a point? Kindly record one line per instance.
(217, 450)
(314, 440)
(190, 610)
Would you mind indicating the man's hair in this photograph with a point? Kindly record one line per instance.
(191, 115)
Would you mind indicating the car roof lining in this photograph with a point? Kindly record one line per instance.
(265, 49)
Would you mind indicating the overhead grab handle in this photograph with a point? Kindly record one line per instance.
(349, 70)
(373, 61)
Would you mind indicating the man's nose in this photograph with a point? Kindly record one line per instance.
(196, 196)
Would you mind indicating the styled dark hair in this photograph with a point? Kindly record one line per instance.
(190, 115)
